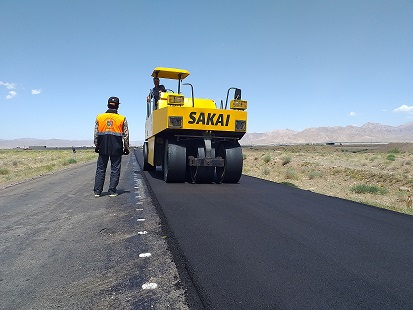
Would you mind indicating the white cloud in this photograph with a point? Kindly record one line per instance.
(404, 108)
(352, 114)
(36, 91)
(8, 85)
(11, 94)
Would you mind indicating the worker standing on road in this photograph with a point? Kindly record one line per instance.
(111, 141)
(155, 92)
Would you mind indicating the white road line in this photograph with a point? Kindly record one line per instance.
(140, 194)
(149, 286)
(143, 255)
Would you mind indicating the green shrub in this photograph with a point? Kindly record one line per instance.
(370, 189)
(266, 171)
(49, 167)
(374, 158)
(4, 171)
(314, 174)
(391, 157)
(286, 160)
(291, 174)
(289, 184)
(69, 161)
(266, 158)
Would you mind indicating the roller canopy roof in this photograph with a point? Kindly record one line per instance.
(170, 73)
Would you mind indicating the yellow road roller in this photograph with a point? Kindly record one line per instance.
(192, 138)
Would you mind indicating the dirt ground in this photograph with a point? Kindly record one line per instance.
(378, 175)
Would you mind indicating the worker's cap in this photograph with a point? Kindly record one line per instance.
(113, 101)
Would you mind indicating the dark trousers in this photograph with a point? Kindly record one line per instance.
(115, 163)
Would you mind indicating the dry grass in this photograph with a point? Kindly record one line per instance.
(19, 165)
(378, 175)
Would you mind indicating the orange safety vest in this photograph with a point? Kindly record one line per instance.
(110, 123)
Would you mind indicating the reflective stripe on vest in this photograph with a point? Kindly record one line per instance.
(110, 123)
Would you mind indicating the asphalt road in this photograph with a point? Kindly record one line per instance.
(252, 245)
(63, 248)
(263, 245)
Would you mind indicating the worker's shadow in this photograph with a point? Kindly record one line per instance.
(119, 192)
(123, 191)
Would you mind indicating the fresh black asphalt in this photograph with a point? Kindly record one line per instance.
(263, 245)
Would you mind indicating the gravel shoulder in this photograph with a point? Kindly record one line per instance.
(63, 248)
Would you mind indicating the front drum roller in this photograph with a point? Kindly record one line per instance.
(174, 163)
(231, 152)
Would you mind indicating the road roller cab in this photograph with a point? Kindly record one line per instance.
(192, 138)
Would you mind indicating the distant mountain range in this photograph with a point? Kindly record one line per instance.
(369, 132)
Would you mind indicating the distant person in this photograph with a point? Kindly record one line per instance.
(155, 92)
(111, 141)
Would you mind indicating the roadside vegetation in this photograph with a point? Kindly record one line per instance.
(377, 175)
(18, 165)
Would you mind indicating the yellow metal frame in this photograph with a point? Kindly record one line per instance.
(170, 73)
(199, 102)
(194, 119)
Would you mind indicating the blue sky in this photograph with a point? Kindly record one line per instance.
(299, 63)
